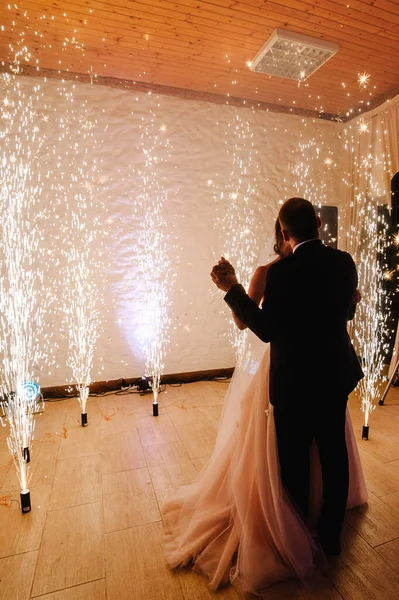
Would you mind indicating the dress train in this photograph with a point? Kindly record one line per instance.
(235, 521)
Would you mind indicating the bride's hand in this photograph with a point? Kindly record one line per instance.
(356, 297)
(223, 275)
(226, 266)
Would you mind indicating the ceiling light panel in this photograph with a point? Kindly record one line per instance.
(292, 55)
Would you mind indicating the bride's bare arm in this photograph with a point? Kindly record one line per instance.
(255, 290)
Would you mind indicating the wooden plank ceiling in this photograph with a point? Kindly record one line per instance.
(200, 49)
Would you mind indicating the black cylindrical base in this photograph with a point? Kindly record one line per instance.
(25, 501)
(365, 432)
(155, 409)
(381, 402)
(26, 455)
(84, 419)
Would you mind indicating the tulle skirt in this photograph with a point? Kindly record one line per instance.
(235, 523)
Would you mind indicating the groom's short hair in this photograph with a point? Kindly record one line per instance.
(298, 217)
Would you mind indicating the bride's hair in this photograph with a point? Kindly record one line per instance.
(279, 244)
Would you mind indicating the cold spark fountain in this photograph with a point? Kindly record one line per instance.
(22, 303)
(240, 225)
(370, 326)
(83, 240)
(153, 244)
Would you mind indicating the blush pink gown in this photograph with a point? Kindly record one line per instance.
(235, 522)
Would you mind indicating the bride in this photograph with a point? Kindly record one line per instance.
(235, 522)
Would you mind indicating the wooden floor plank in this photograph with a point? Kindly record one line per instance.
(198, 441)
(76, 481)
(150, 578)
(381, 478)
(41, 467)
(195, 587)
(16, 575)
(169, 465)
(141, 461)
(5, 461)
(390, 553)
(88, 591)
(129, 500)
(78, 440)
(22, 532)
(374, 521)
(121, 452)
(184, 414)
(159, 430)
(392, 500)
(72, 549)
(360, 572)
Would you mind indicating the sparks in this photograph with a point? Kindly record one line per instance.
(388, 275)
(22, 305)
(155, 264)
(370, 324)
(239, 226)
(363, 79)
(363, 127)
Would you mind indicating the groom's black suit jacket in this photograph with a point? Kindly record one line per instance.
(306, 306)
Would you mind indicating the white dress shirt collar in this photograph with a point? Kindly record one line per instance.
(301, 243)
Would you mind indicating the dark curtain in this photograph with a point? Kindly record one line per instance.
(390, 261)
(329, 225)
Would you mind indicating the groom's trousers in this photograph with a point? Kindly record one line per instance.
(323, 420)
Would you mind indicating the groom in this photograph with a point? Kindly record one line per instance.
(307, 302)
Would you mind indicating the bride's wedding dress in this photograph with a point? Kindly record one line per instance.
(235, 522)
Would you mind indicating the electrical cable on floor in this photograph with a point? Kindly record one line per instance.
(132, 389)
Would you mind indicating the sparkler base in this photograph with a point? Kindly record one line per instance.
(26, 455)
(25, 501)
(155, 409)
(365, 432)
(84, 419)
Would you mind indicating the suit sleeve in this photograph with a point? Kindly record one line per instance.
(262, 321)
(353, 283)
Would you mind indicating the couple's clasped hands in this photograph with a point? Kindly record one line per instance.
(223, 275)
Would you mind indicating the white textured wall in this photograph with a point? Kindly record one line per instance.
(199, 151)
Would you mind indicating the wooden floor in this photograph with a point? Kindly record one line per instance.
(95, 529)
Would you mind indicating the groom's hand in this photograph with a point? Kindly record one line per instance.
(223, 275)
